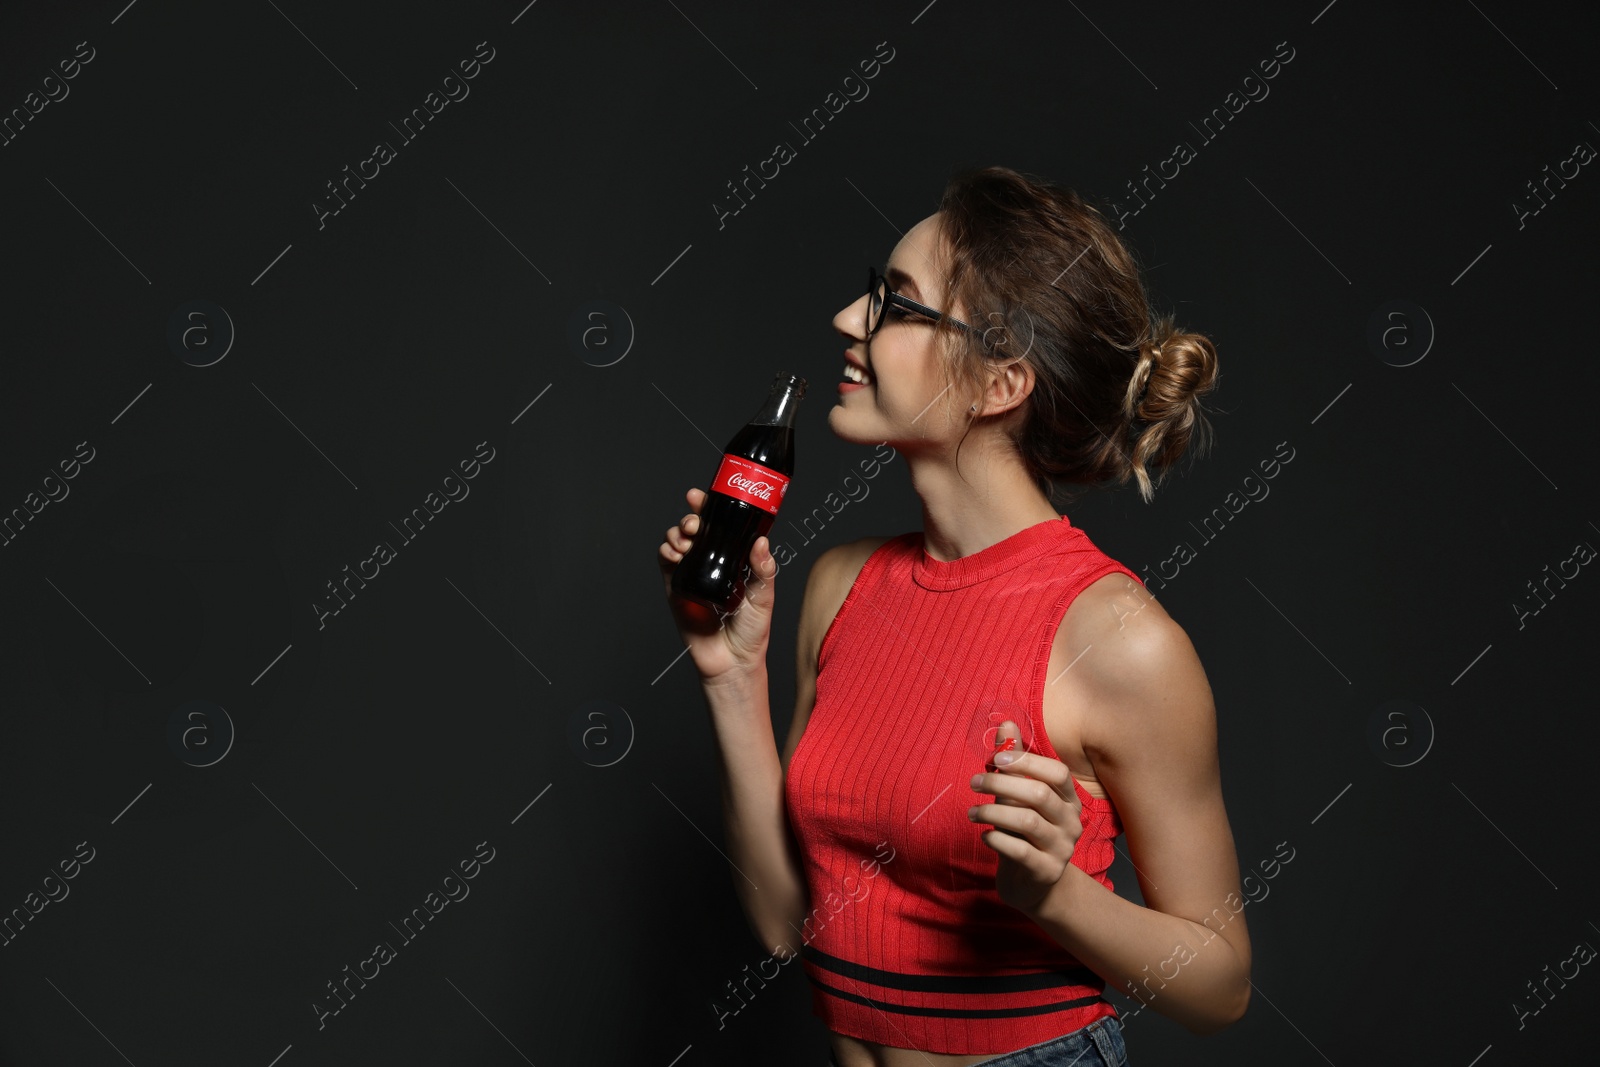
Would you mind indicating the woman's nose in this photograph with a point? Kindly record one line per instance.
(852, 319)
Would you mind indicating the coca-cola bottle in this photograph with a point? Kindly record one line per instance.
(742, 502)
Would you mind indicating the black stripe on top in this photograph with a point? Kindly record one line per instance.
(957, 984)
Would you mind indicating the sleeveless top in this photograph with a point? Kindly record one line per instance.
(907, 942)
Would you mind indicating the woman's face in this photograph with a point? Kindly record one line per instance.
(906, 398)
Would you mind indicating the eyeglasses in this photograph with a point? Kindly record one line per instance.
(880, 298)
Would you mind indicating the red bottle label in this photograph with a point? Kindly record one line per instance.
(750, 482)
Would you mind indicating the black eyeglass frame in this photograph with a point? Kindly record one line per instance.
(892, 297)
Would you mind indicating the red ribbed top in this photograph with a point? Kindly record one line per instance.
(907, 943)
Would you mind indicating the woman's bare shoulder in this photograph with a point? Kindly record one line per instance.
(1112, 605)
(837, 569)
(829, 583)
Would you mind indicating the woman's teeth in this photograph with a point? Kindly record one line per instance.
(855, 374)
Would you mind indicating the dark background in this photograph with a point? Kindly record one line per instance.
(512, 676)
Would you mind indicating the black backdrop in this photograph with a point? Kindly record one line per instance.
(222, 786)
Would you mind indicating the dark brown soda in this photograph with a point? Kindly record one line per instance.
(716, 568)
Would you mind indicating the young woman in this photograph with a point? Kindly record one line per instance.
(985, 704)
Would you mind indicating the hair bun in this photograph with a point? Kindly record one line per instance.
(1163, 408)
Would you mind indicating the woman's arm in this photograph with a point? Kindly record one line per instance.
(1152, 738)
(766, 872)
(769, 877)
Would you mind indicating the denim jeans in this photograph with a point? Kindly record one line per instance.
(1097, 1045)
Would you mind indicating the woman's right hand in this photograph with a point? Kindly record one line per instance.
(722, 646)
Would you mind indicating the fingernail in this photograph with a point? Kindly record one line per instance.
(1004, 758)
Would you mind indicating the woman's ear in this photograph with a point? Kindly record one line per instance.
(1009, 388)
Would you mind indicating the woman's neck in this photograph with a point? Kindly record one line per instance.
(960, 516)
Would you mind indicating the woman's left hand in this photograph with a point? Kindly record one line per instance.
(1037, 820)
